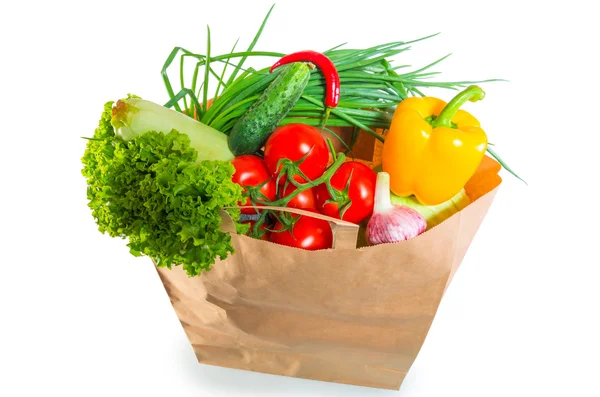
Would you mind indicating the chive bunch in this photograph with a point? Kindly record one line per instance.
(370, 87)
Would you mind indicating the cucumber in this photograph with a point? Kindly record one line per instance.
(253, 128)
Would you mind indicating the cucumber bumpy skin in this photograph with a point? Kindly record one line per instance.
(252, 130)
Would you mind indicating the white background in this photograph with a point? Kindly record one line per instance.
(81, 317)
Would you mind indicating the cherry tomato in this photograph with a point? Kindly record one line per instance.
(264, 226)
(294, 141)
(307, 233)
(304, 199)
(361, 192)
(250, 170)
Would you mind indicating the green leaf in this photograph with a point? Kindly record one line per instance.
(503, 164)
(150, 191)
(251, 47)
(206, 72)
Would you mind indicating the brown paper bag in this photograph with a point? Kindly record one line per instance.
(346, 315)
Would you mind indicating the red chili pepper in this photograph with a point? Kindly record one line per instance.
(327, 67)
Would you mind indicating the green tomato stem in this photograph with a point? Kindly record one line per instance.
(283, 202)
(333, 154)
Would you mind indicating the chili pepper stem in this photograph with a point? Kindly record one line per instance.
(472, 93)
(327, 111)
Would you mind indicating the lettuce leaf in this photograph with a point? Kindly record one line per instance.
(150, 191)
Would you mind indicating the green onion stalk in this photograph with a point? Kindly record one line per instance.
(370, 87)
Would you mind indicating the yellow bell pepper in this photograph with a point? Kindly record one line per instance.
(433, 148)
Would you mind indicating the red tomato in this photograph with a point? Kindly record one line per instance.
(250, 170)
(361, 192)
(294, 141)
(307, 233)
(264, 226)
(304, 199)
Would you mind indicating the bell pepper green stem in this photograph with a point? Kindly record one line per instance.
(472, 93)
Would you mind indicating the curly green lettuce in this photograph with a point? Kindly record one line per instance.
(151, 191)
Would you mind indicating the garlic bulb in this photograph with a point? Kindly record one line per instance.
(390, 223)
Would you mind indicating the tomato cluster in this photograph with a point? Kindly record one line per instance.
(299, 152)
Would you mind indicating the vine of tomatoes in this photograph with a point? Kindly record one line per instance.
(295, 173)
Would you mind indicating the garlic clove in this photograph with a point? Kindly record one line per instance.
(398, 224)
(390, 223)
